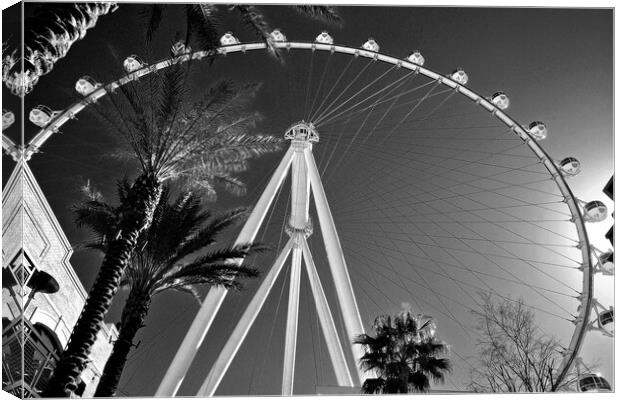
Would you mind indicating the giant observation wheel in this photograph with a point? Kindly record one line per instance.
(436, 193)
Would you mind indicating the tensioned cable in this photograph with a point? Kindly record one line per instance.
(392, 156)
(359, 74)
(318, 91)
(151, 341)
(415, 107)
(446, 213)
(349, 112)
(406, 201)
(435, 262)
(427, 284)
(496, 241)
(508, 257)
(408, 198)
(434, 292)
(488, 177)
(309, 80)
(396, 83)
(382, 310)
(346, 152)
(334, 148)
(527, 241)
(344, 71)
(519, 282)
(486, 256)
(402, 120)
(408, 77)
(371, 151)
(477, 288)
(443, 117)
(448, 314)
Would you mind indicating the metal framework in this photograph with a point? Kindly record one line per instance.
(305, 179)
(175, 374)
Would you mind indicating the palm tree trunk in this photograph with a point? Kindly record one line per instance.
(132, 319)
(136, 216)
(403, 384)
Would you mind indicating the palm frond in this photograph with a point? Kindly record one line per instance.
(209, 233)
(436, 367)
(373, 386)
(252, 17)
(96, 215)
(173, 91)
(202, 25)
(225, 274)
(403, 352)
(192, 290)
(202, 144)
(231, 184)
(96, 244)
(325, 14)
(152, 14)
(419, 381)
(226, 254)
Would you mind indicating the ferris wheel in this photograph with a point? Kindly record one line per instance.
(425, 192)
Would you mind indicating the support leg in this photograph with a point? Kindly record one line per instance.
(243, 326)
(337, 263)
(290, 344)
(214, 299)
(334, 347)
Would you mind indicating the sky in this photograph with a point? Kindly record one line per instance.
(556, 66)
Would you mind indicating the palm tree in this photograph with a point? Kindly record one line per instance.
(200, 145)
(402, 355)
(48, 34)
(202, 21)
(175, 254)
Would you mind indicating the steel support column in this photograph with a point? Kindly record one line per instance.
(214, 299)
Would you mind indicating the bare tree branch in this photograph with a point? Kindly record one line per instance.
(514, 355)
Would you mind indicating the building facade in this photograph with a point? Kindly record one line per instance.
(42, 296)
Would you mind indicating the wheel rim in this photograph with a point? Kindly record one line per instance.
(583, 316)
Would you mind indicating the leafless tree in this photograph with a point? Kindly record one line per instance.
(514, 354)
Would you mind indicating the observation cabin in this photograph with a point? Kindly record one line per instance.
(501, 100)
(86, 85)
(606, 263)
(303, 132)
(278, 36)
(133, 63)
(570, 166)
(459, 76)
(324, 38)
(41, 115)
(538, 130)
(8, 118)
(595, 211)
(416, 57)
(179, 48)
(228, 39)
(606, 317)
(593, 383)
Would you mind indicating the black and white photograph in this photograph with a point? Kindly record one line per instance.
(303, 199)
